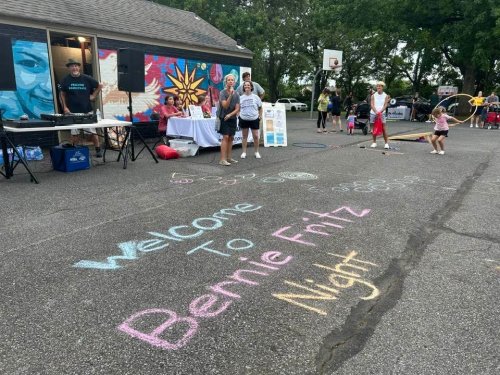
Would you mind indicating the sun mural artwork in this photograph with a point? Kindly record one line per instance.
(185, 86)
(190, 80)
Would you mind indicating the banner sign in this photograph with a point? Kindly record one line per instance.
(274, 124)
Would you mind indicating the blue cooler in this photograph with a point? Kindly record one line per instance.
(69, 159)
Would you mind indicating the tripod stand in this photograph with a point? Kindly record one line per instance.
(128, 148)
(8, 165)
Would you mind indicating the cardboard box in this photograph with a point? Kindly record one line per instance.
(70, 159)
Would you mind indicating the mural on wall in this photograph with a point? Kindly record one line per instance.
(187, 79)
(34, 86)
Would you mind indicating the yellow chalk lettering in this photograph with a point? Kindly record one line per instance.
(351, 256)
(337, 269)
(350, 283)
(317, 295)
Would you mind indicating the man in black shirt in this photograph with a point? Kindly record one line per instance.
(77, 92)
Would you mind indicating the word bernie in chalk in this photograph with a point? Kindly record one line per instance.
(131, 250)
(344, 275)
(175, 331)
(326, 221)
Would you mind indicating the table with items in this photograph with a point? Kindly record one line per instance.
(201, 130)
(12, 128)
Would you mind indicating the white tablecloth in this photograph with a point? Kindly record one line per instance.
(201, 130)
(106, 123)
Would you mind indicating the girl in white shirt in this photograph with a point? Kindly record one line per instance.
(379, 103)
(250, 115)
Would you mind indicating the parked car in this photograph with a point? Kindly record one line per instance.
(292, 104)
(405, 101)
(401, 101)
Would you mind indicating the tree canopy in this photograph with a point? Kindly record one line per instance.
(411, 45)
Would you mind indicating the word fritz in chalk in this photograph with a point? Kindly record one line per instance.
(318, 224)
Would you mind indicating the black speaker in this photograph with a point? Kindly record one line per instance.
(130, 70)
(7, 76)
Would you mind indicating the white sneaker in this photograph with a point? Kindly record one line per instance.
(441, 152)
(257, 155)
(471, 125)
(243, 155)
(477, 126)
(373, 145)
(386, 146)
(434, 152)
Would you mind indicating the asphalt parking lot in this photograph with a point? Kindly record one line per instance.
(323, 257)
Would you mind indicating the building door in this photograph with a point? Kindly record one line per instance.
(65, 46)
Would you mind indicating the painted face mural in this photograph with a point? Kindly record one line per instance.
(187, 79)
(34, 88)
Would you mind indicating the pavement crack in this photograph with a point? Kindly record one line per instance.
(348, 340)
(482, 236)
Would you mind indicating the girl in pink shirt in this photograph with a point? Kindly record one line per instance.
(440, 129)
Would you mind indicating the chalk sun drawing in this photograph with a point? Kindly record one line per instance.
(298, 176)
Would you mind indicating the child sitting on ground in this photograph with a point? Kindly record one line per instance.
(350, 122)
(441, 129)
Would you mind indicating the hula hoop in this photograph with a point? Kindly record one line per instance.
(451, 96)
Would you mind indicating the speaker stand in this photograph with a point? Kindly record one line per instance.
(128, 148)
(7, 164)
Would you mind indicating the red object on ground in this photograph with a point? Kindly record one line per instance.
(164, 152)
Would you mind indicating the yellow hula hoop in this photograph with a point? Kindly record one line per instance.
(451, 96)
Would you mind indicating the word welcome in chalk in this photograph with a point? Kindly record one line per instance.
(321, 228)
(344, 275)
(176, 331)
(131, 250)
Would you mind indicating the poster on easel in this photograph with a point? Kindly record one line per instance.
(274, 124)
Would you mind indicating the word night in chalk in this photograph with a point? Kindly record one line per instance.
(348, 273)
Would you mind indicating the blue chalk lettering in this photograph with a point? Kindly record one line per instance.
(129, 251)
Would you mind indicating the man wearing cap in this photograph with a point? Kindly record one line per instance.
(77, 92)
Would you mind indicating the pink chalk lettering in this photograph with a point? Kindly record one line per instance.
(269, 256)
(365, 212)
(153, 338)
(260, 264)
(237, 276)
(327, 214)
(295, 238)
(310, 229)
(200, 307)
(217, 288)
(332, 225)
